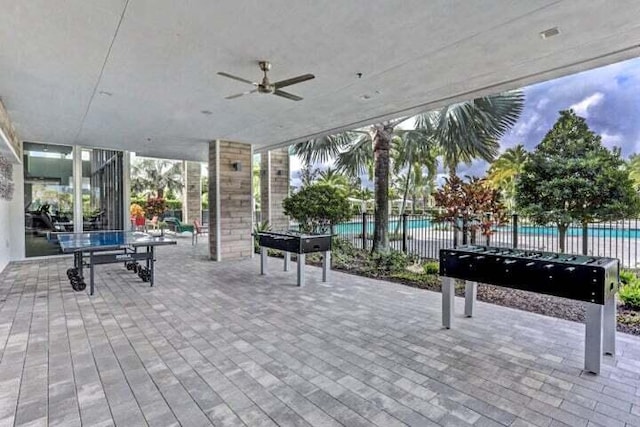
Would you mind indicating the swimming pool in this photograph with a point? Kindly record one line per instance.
(604, 231)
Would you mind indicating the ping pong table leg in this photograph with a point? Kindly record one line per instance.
(152, 262)
(91, 272)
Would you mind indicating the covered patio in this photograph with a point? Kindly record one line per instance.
(216, 343)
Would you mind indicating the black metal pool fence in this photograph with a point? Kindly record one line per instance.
(423, 236)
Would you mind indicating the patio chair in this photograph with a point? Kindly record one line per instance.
(175, 225)
(152, 223)
(199, 230)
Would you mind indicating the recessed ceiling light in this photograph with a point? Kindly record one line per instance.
(365, 96)
(206, 112)
(551, 32)
(104, 92)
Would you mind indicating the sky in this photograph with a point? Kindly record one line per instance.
(607, 97)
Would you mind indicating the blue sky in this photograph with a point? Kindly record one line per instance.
(607, 97)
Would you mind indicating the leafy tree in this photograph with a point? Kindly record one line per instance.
(571, 177)
(634, 170)
(155, 176)
(470, 201)
(317, 207)
(462, 132)
(505, 171)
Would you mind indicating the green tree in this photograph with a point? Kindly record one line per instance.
(462, 132)
(317, 207)
(571, 177)
(155, 176)
(505, 171)
(633, 166)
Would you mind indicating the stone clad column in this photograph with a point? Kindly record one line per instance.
(192, 204)
(230, 210)
(274, 187)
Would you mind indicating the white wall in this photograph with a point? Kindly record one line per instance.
(12, 222)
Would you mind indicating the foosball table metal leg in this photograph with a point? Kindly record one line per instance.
(301, 262)
(287, 260)
(263, 260)
(593, 338)
(470, 292)
(326, 265)
(448, 294)
(609, 328)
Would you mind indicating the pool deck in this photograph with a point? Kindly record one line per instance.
(217, 344)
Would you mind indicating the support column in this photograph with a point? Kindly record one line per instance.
(274, 187)
(230, 210)
(126, 189)
(78, 223)
(192, 203)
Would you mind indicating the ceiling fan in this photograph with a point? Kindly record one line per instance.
(266, 86)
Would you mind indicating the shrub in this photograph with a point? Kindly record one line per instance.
(316, 207)
(156, 206)
(174, 205)
(432, 267)
(389, 262)
(630, 289)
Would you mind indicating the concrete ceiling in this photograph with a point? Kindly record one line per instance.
(137, 74)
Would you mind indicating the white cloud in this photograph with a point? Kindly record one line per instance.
(523, 128)
(542, 103)
(612, 140)
(582, 108)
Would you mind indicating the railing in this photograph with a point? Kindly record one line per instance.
(422, 236)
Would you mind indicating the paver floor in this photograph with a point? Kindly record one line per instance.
(215, 343)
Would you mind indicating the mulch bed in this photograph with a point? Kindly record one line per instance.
(628, 320)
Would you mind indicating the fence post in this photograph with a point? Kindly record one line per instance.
(455, 233)
(514, 230)
(585, 238)
(404, 233)
(487, 216)
(364, 230)
(465, 237)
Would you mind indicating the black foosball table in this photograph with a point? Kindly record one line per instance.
(592, 280)
(298, 243)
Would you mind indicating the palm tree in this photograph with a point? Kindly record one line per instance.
(155, 175)
(472, 129)
(505, 170)
(333, 178)
(461, 132)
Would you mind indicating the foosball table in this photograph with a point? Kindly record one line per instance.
(592, 280)
(298, 243)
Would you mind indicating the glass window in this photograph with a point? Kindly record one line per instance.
(48, 193)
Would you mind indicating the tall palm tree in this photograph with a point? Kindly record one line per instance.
(462, 131)
(155, 176)
(505, 170)
(472, 129)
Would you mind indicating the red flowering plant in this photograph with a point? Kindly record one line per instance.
(473, 201)
(156, 206)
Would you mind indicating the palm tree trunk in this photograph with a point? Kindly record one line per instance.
(381, 146)
(160, 193)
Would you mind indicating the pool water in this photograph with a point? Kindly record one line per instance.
(355, 227)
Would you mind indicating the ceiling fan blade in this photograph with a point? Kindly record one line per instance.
(240, 79)
(287, 95)
(238, 95)
(293, 80)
